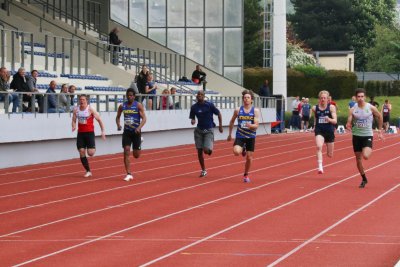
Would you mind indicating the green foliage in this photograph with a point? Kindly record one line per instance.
(253, 27)
(385, 55)
(311, 71)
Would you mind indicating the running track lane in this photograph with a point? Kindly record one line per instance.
(256, 202)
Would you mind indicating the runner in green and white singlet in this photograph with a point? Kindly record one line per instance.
(359, 121)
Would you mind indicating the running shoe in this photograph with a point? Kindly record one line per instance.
(87, 174)
(246, 179)
(320, 171)
(363, 183)
(203, 173)
(128, 177)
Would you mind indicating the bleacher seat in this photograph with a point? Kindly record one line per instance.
(85, 77)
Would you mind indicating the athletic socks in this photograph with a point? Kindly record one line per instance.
(320, 168)
(85, 163)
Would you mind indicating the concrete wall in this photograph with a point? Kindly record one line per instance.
(30, 139)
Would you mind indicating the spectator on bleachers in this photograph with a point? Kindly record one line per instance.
(141, 79)
(64, 103)
(114, 45)
(19, 84)
(199, 77)
(150, 89)
(52, 105)
(4, 86)
(32, 81)
(166, 100)
(71, 90)
(175, 99)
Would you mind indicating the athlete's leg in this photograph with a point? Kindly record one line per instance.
(319, 141)
(249, 160)
(237, 150)
(84, 160)
(91, 152)
(360, 167)
(366, 152)
(329, 149)
(208, 142)
(127, 161)
(136, 153)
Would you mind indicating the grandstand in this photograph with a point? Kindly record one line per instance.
(66, 50)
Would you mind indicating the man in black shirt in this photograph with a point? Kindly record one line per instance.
(198, 76)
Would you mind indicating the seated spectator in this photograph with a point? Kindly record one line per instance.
(150, 89)
(20, 85)
(175, 99)
(71, 90)
(52, 97)
(4, 87)
(199, 76)
(166, 100)
(32, 81)
(64, 103)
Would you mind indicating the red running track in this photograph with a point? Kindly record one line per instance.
(168, 216)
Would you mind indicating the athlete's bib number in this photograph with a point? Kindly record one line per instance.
(82, 120)
(322, 120)
(385, 110)
(129, 121)
(361, 123)
(243, 124)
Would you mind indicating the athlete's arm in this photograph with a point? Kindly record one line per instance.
(349, 119)
(74, 119)
(142, 116)
(379, 118)
(315, 117)
(332, 120)
(98, 118)
(117, 119)
(254, 126)
(221, 130)
(231, 123)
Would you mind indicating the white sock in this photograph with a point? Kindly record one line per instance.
(319, 164)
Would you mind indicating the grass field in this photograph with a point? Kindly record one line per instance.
(343, 108)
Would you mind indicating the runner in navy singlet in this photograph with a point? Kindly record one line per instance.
(134, 119)
(85, 141)
(324, 127)
(248, 118)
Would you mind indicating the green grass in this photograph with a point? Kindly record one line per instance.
(343, 108)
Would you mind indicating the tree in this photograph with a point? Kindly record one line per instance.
(385, 55)
(253, 32)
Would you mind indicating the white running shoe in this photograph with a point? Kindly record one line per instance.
(128, 177)
(87, 174)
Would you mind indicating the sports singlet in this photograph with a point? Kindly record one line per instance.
(85, 120)
(363, 119)
(322, 125)
(385, 110)
(243, 118)
(131, 116)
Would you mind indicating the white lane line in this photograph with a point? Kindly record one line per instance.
(260, 215)
(141, 162)
(202, 205)
(287, 255)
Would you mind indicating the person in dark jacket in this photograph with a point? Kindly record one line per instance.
(199, 76)
(114, 45)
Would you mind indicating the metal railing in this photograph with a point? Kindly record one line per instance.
(106, 102)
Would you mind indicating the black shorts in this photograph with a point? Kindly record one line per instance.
(386, 119)
(359, 142)
(305, 118)
(329, 137)
(248, 142)
(132, 139)
(85, 140)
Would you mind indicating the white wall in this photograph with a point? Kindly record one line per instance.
(29, 139)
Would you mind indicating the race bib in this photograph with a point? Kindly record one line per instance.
(129, 121)
(361, 123)
(322, 120)
(82, 120)
(243, 124)
(385, 110)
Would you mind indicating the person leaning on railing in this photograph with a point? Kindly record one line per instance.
(4, 86)
(52, 105)
(32, 81)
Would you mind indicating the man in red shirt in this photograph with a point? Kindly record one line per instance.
(85, 141)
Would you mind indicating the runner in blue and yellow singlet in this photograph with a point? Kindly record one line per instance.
(248, 118)
(134, 119)
(359, 121)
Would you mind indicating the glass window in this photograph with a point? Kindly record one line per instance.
(176, 40)
(194, 45)
(234, 74)
(213, 50)
(138, 16)
(213, 13)
(176, 13)
(194, 13)
(158, 35)
(233, 13)
(157, 13)
(233, 47)
(119, 11)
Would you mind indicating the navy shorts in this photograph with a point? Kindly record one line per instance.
(85, 140)
(359, 142)
(329, 137)
(249, 143)
(131, 138)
